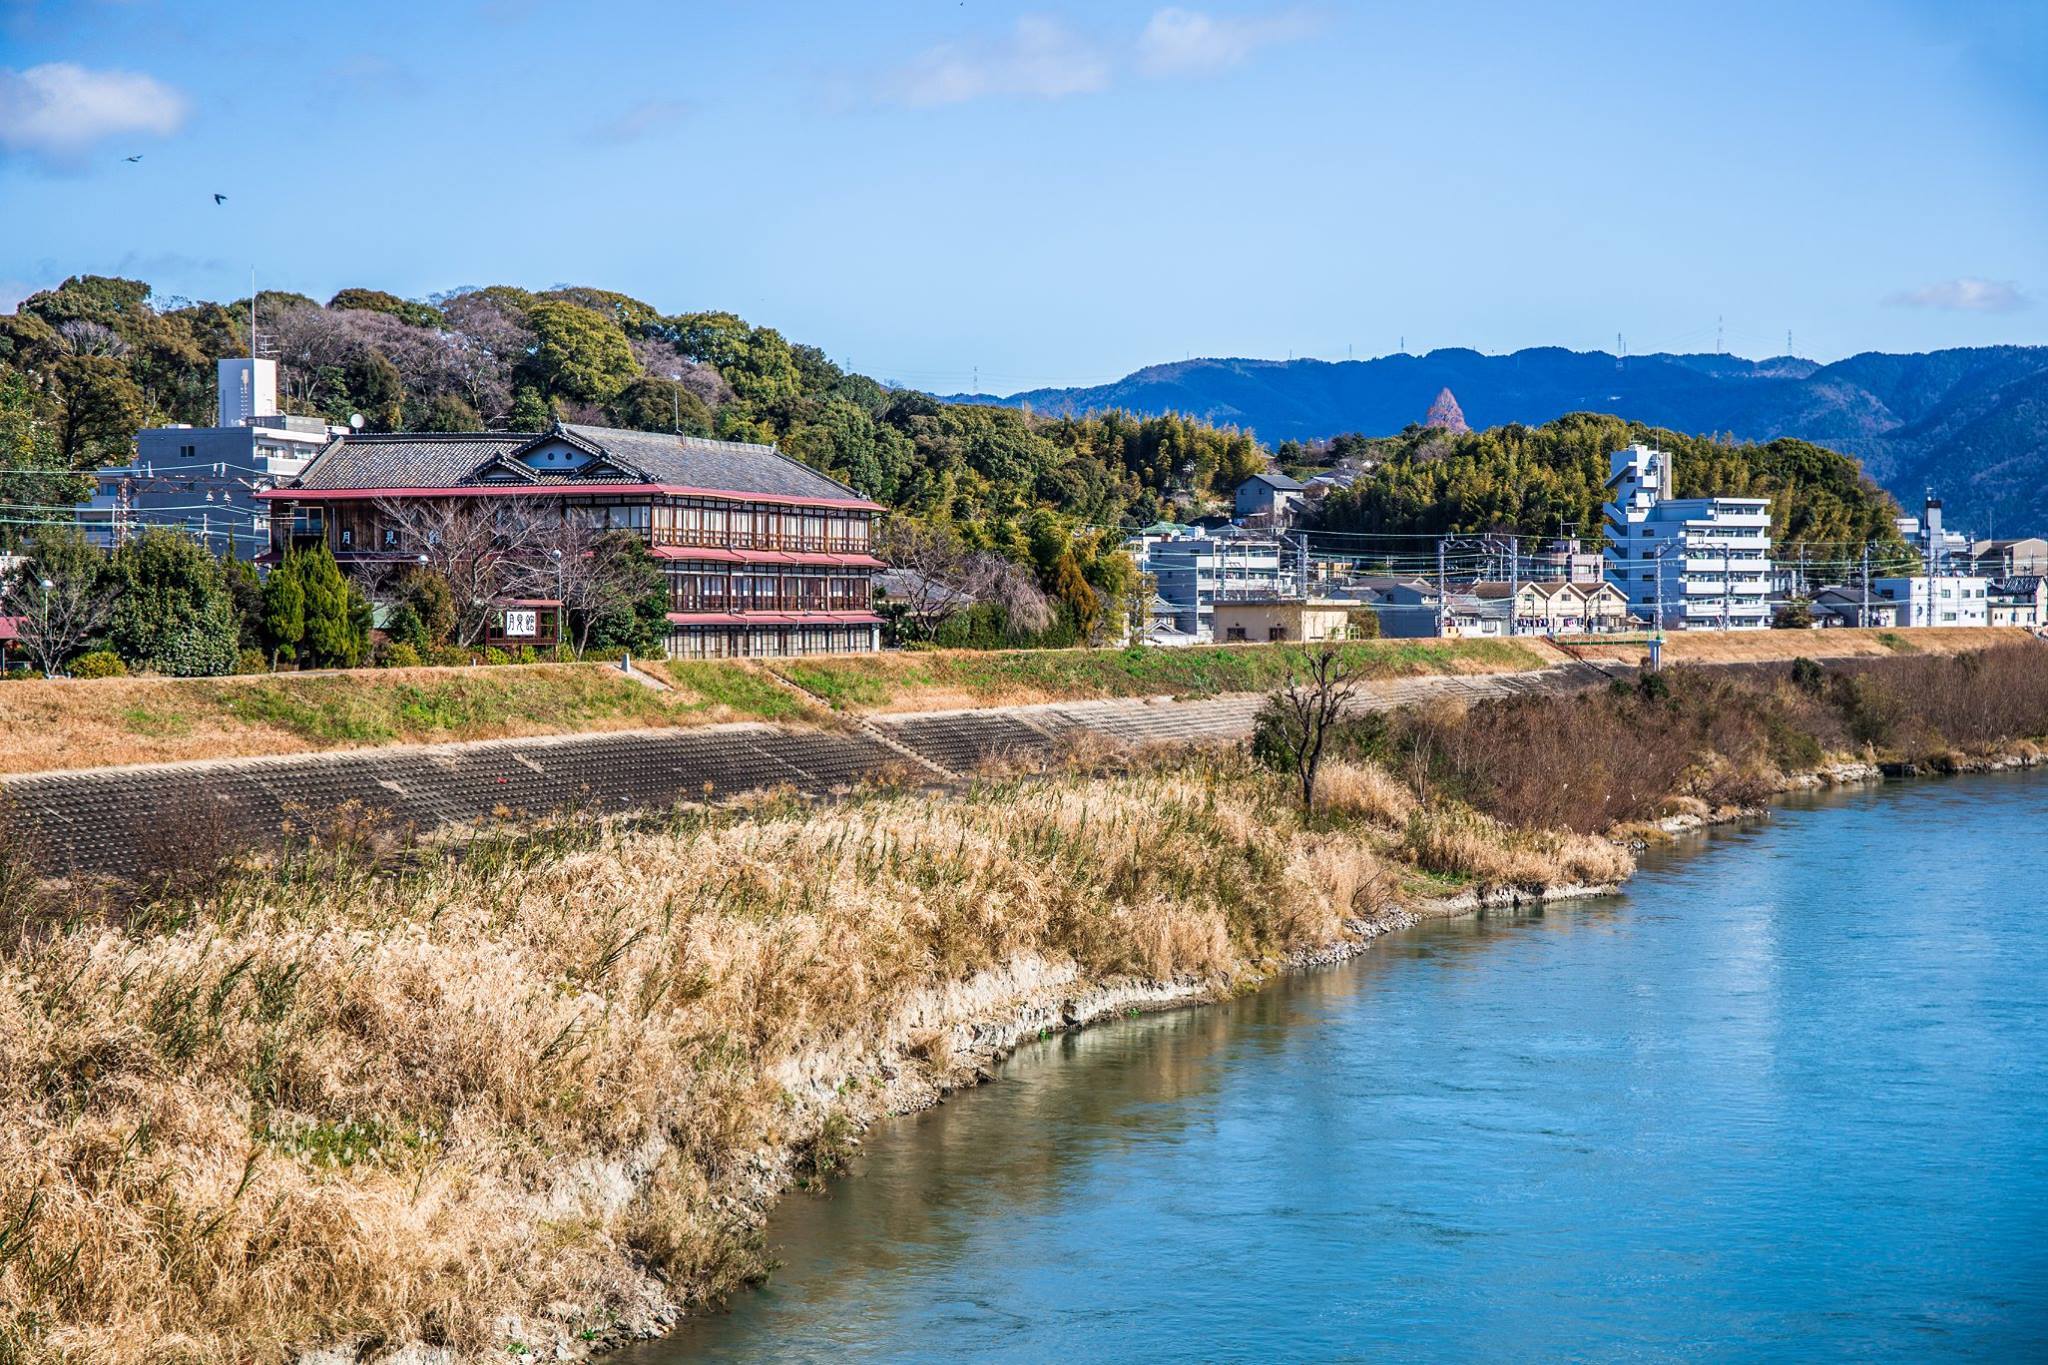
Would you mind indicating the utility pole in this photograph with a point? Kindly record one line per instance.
(1443, 602)
(1514, 574)
(1866, 585)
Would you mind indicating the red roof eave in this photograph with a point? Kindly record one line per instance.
(556, 490)
(774, 618)
(716, 554)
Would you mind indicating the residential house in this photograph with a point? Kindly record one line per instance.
(1941, 601)
(2024, 557)
(1852, 606)
(1410, 610)
(2020, 600)
(1564, 607)
(1270, 496)
(764, 555)
(1706, 560)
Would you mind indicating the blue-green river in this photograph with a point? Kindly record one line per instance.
(1787, 1098)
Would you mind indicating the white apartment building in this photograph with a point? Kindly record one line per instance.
(1706, 560)
(205, 479)
(1192, 571)
(1942, 601)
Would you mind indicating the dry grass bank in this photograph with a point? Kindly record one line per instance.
(518, 1098)
(100, 722)
(1709, 739)
(1783, 646)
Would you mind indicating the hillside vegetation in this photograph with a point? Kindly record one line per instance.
(1532, 480)
(1970, 423)
(84, 365)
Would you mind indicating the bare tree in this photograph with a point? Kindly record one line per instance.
(591, 571)
(1012, 587)
(485, 548)
(62, 602)
(1320, 692)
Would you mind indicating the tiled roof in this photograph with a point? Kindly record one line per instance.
(407, 460)
(696, 462)
(448, 460)
(1271, 480)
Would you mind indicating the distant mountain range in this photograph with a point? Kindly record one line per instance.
(1970, 424)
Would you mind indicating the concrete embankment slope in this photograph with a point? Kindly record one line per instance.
(130, 820)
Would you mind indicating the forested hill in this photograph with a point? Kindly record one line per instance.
(1972, 424)
(84, 365)
(1539, 480)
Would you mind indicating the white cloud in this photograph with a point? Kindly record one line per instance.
(1964, 295)
(1178, 42)
(1038, 59)
(60, 111)
(642, 120)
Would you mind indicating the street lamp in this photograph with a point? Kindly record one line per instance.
(44, 641)
(556, 553)
(675, 395)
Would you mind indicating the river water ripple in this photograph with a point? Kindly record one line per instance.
(1785, 1098)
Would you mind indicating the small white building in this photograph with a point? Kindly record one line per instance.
(205, 479)
(1942, 601)
(1707, 560)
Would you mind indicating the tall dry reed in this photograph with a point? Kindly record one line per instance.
(543, 1085)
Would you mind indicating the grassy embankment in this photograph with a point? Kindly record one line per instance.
(960, 678)
(324, 1103)
(81, 724)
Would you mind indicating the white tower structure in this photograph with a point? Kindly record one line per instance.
(248, 390)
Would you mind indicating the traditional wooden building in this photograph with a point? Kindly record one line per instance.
(764, 555)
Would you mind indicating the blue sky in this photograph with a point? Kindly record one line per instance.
(1060, 193)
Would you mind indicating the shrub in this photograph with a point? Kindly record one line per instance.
(1808, 676)
(315, 612)
(251, 661)
(175, 614)
(405, 627)
(450, 656)
(495, 656)
(98, 663)
(398, 654)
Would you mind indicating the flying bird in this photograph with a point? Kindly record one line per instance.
(131, 158)
(220, 199)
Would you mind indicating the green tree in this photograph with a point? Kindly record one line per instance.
(245, 590)
(580, 354)
(427, 594)
(652, 403)
(631, 610)
(377, 301)
(1075, 595)
(97, 412)
(337, 619)
(175, 614)
(284, 608)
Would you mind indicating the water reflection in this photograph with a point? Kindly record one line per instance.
(1784, 1098)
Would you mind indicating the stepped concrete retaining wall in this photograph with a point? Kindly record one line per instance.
(130, 821)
